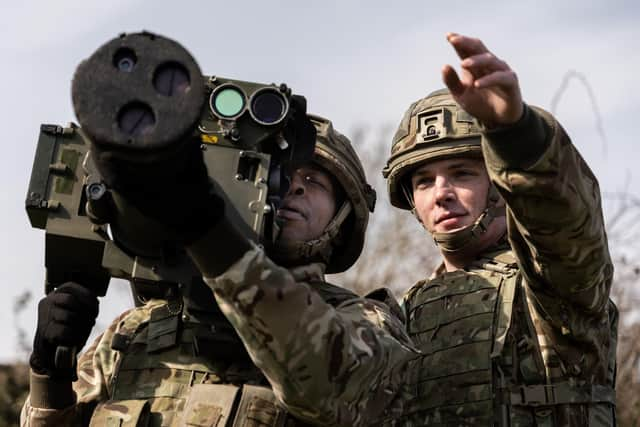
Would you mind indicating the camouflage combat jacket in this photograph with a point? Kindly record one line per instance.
(163, 365)
(330, 364)
(525, 335)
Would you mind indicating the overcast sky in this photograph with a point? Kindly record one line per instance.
(358, 62)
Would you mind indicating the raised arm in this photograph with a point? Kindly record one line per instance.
(554, 210)
(555, 218)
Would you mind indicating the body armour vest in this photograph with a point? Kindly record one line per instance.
(487, 361)
(179, 365)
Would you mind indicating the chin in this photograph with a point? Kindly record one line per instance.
(290, 235)
(449, 230)
(453, 230)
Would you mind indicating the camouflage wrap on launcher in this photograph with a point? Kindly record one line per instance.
(526, 334)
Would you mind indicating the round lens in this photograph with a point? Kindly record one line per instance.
(171, 78)
(125, 59)
(268, 107)
(228, 102)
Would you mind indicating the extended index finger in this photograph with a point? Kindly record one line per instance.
(466, 46)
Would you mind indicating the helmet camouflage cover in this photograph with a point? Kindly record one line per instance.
(433, 128)
(341, 243)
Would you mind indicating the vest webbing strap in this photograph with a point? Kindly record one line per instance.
(560, 394)
(505, 310)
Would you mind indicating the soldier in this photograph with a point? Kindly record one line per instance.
(516, 327)
(175, 360)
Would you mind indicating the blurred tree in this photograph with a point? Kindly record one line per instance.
(624, 237)
(14, 386)
(397, 252)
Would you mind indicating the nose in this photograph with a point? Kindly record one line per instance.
(443, 190)
(297, 185)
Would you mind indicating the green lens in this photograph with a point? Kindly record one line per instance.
(229, 102)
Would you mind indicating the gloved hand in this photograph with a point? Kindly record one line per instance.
(176, 192)
(65, 318)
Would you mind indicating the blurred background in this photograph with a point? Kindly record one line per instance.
(359, 63)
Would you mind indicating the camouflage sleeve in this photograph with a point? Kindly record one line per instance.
(328, 365)
(95, 369)
(554, 213)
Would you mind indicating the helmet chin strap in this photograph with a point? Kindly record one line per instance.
(318, 250)
(457, 241)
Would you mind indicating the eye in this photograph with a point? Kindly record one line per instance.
(462, 173)
(422, 182)
(314, 180)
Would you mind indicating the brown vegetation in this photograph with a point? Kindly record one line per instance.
(398, 252)
(14, 386)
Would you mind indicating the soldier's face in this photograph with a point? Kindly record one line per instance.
(308, 206)
(450, 194)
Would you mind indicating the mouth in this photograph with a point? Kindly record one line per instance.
(450, 221)
(288, 212)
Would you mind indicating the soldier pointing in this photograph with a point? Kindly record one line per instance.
(515, 327)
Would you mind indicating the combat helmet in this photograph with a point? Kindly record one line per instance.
(341, 242)
(436, 128)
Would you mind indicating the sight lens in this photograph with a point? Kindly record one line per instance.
(228, 102)
(268, 107)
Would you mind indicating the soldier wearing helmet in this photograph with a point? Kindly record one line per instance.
(341, 239)
(309, 337)
(519, 310)
(176, 360)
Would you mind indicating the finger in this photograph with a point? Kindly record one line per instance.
(59, 334)
(80, 293)
(75, 303)
(486, 61)
(72, 321)
(466, 46)
(452, 81)
(467, 78)
(75, 289)
(504, 79)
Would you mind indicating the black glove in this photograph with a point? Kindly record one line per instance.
(65, 318)
(176, 192)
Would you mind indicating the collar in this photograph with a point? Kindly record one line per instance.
(499, 247)
(312, 272)
(439, 271)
